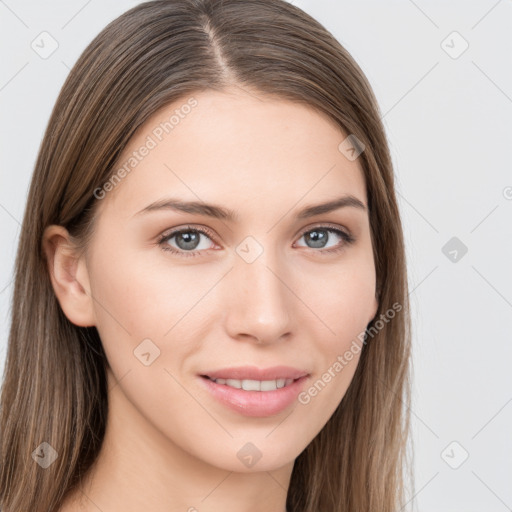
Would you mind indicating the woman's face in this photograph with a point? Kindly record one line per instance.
(271, 286)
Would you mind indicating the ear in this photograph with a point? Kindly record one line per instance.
(69, 276)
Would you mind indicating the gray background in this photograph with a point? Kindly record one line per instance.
(448, 116)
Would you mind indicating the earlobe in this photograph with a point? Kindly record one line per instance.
(69, 276)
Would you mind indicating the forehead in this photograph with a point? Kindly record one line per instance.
(243, 149)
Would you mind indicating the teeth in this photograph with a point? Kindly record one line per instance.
(251, 385)
(255, 385)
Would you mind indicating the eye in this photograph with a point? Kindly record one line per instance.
(319, 237)
(188, 241)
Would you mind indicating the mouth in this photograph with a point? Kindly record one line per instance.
(253, 392)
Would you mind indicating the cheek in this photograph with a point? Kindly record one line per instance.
(125, 296)
(141, 297)
(345, 307)
(141, 310)
(343, 298)
(344, 303)
(126, 309)
(350, 308)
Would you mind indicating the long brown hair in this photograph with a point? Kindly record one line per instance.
(54, 385)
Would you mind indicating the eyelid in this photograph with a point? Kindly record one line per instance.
(175, 231)
(325, 225)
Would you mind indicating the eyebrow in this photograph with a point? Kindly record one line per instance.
(219, 212)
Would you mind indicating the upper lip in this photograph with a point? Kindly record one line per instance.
(254, 373)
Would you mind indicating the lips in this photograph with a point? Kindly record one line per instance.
(256, 398)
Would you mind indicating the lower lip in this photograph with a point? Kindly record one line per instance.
(255, 403)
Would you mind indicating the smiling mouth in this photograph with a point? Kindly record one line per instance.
(253, 385)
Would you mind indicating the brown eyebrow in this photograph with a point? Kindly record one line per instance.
(219, 212)
(347, 201)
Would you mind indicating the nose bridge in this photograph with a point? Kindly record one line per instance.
(260, 304)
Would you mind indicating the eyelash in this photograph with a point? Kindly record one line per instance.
(348, 239)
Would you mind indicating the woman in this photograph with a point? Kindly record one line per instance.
(210, 306)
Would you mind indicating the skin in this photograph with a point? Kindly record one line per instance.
(169, 445)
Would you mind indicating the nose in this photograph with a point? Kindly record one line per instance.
(260, 303)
